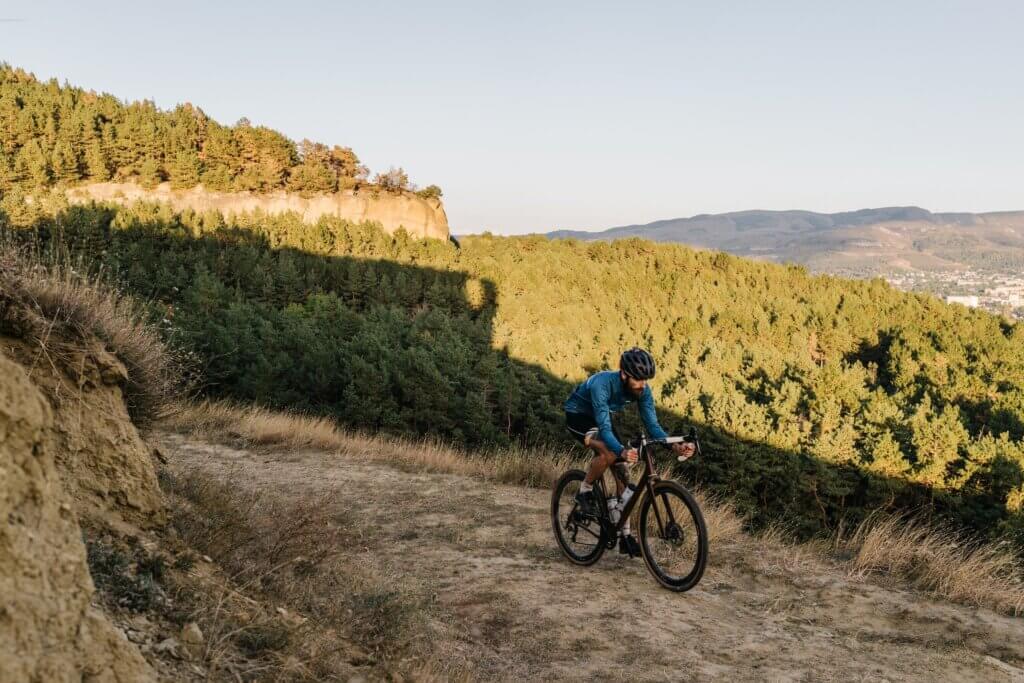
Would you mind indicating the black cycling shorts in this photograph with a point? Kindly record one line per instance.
(581, 424)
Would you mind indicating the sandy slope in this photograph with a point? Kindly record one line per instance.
(507, 606)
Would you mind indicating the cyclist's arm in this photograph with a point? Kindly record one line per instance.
(649, 417)
(603, 417)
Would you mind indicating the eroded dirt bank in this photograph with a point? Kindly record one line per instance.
(49, 628)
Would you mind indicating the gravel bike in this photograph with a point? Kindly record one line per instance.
(672, 534)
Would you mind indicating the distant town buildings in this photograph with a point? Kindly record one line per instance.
(1008, 294)
(999, 292)
(969, 301)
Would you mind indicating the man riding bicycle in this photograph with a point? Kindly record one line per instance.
(588, 418)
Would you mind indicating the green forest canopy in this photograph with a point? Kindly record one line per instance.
(823, 398)
(63, 135)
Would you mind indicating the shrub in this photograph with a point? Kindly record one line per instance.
(430, 192)
(41, 300)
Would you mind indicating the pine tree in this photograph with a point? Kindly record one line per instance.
(65, 164)
(96, 168)
(186, 170)
(32, 166)
(7, 178)
(149, 173)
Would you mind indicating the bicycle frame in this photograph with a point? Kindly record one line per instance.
(647, 481)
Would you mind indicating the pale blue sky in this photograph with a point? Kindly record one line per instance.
(541, 115)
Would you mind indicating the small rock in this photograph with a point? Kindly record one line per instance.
(112, 371)
(207, 558)
(140, 623)
(191, 634)
(291, 617)
(168, 645)
(192, 637)
(137, 637)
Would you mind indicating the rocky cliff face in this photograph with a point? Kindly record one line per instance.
(49, 631)
(420, 217)
(106, 467)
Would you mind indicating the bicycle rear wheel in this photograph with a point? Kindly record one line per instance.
(673, 536)
(581, 538)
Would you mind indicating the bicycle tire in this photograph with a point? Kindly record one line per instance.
(566, 530)
(681, 537)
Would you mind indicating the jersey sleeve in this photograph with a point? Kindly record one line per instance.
(599, 394)
(649, 417)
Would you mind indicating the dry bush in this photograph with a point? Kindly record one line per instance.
(725, 526)
(341, 609)
(47, 301)
(938, 559)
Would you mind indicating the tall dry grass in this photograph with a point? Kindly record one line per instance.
(253, 425)
(938, 559)
(48, 302)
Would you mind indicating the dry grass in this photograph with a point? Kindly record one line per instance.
(938, 559)
(46, 301)
(725, 526)
(343, 612)
(252, 425)
(929, 558)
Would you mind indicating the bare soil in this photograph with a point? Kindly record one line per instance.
(505, 605)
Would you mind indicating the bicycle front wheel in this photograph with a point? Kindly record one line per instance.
(673, 536)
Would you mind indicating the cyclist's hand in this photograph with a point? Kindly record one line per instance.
(630, 455)
(684, 451)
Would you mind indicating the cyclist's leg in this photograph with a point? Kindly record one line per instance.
(603, 458)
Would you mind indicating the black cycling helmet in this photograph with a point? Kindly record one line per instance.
(637, 363)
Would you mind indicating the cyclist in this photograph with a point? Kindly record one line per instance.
(588, 418)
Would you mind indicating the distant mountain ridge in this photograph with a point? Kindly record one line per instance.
(881, 238)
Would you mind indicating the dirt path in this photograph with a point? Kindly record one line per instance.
(510, 606)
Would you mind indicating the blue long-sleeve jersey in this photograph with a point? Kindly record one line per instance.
(605, 393)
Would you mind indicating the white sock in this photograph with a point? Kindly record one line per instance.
(625, 529)
(585, 487)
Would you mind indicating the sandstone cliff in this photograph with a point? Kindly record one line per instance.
(420, 217)
(69, 453)
(49, 631)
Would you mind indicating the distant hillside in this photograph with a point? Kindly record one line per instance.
(871, 240)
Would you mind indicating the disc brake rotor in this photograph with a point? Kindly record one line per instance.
(674, 535)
